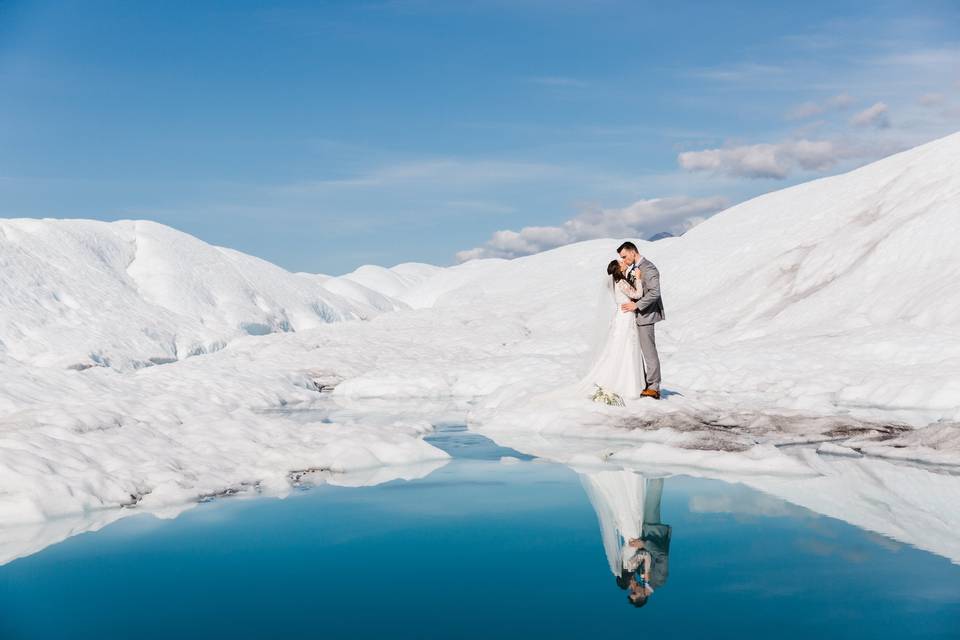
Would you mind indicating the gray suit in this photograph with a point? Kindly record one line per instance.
(649, 312)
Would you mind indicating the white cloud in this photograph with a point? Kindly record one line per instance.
(805, 110)
(931, 100)
(811, 108)
(876, 115)
(745, 72)
(480, 206)
(951, 113)
(640, 219)
(766, 160)
(944, 58)
(841, 101)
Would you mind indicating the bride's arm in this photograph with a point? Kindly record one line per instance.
(629, 290)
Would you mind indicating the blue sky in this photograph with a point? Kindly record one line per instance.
(325, 135)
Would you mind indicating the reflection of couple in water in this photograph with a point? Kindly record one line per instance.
(637, 544)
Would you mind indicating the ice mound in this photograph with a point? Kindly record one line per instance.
(82, 293)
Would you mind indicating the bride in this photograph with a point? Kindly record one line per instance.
(617, 365)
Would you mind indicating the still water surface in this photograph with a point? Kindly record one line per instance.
(484, 547)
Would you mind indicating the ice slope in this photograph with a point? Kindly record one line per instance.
(86, 423)
(79, 293)
(347, 289)
(394, 282)
(826, 311)
(856, 274)
(835, 297)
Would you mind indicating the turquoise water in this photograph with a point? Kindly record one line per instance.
(477, 549)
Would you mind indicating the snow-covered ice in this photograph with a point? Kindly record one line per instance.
(143, 368)
(81, 293)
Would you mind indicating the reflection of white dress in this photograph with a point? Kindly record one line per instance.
(618, 499)
(618, 366)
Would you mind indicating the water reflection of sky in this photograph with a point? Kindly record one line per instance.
(478, 548)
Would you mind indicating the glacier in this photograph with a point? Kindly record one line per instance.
(812, 340)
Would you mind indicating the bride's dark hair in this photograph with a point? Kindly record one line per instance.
(613, 269)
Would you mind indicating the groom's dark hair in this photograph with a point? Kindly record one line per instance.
(628, 245)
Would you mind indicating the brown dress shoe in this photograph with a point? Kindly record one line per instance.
(650, 393)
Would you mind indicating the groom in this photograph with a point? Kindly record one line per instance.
(649, 310)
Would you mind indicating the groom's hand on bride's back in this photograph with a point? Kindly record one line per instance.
(628, 307)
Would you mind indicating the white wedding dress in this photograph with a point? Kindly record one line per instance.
(618, 364)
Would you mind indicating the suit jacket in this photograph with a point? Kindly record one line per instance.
(650, 305)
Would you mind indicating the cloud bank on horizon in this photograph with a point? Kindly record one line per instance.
(640, 219)
(344, 122)
(823, 140)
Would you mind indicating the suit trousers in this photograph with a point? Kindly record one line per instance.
(651, 360)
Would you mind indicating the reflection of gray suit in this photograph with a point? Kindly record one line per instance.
(655, 534)
(649, 312)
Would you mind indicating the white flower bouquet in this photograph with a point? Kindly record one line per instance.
(607, 397)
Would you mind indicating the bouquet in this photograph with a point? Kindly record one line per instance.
(607, 397)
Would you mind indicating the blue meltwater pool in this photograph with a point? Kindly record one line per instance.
(494, 544)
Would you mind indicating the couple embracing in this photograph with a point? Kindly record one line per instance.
(627, 362)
